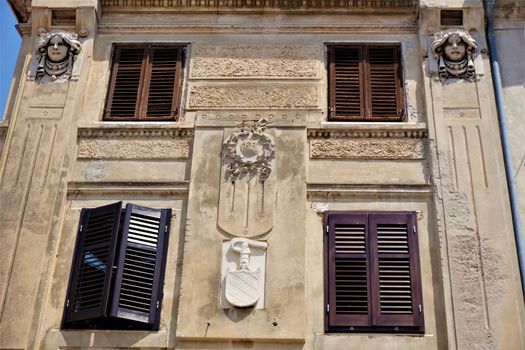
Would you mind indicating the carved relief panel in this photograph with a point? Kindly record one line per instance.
(247, 190)
(247, 196)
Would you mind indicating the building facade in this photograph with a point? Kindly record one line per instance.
(265, 174)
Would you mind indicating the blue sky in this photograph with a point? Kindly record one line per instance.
(10, 44)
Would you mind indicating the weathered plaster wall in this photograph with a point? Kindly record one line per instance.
(510, 42)
(480, 271)
(442, 161)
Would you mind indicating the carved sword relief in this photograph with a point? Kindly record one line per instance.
(247, 192)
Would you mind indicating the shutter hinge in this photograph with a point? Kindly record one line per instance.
(331, 109)
(81, 227)
(420, 308)
(166, 229)
(327, 308)
(158, 304)
(414, 229)
(327, 228)
(67, 303)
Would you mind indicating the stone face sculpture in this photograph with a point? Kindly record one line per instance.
(56, 53)
(243, 287)
(454, 52)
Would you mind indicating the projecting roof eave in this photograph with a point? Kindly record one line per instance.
(21, 9)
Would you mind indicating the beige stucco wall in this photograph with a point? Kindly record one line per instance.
(443, 161)
(510, 43)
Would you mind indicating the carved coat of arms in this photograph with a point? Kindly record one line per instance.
(242, 286)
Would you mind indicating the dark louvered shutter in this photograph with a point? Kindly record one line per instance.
(395, 278)
(127, 75)
(89, 286)
(165, 68)
(373, 277)
(385, 98)
(348, 269)
(138, 284)
(346, 87)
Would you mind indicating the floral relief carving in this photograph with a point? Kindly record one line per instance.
(367, 149)
(56, 53)
(455, 53)
(248, 152)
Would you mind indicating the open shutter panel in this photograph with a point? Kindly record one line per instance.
(385, 99)
(125, 84)
(162, 92)
(395, 279)
(347, 101)
(138, 283)
(348, 284)
(90, 280)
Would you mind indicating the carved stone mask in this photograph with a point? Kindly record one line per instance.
(454, 52)
(57, 49)
(455, 48)
(56, 53)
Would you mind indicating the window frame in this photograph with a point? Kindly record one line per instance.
(145, 80)
(372, 323)
(364, 82)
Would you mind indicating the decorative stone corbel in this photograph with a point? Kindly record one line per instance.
(244, 285)
(453, 55)
(54, 56)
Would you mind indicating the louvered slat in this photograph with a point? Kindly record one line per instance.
(125, 84)
(162, 82)
(142, 256)
(384, 82)
(347, 77)
(91, 273)
(395, 293)
(351, 289)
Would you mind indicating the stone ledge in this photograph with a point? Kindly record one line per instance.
(363, 190)
(87, 189)
(134, 130)
(108, 28)
(365, 130)
(3, 130)
(221, 5)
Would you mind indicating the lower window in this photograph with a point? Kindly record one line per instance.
(118, 268)
(373, 281)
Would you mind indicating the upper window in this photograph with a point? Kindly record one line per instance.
(118, 268)
(365, 83)
(145, 83)
(373, 281)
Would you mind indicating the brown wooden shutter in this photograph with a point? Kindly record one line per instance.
(348, 271)
(139, 277)
(89, 286)
(127, 75)
(346, 83)
(395, 281)
(384, 88)
(164, 82)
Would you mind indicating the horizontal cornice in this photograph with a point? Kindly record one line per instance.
(400, 131)
(107, 28)
(228, 5)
